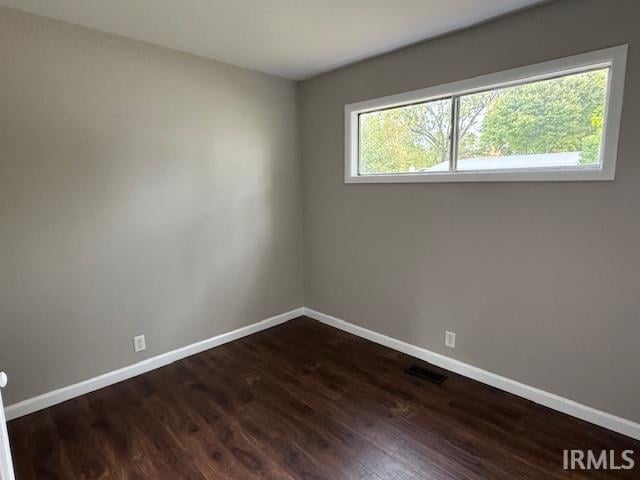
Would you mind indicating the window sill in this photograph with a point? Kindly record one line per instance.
(595, 174)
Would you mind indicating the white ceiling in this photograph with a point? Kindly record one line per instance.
(292, 38)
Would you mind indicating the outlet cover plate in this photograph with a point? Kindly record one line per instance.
(139, 343)
(450, 339)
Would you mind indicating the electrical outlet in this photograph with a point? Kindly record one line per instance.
(450, 339)
(139, 343)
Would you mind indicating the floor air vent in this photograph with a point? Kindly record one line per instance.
(426, 374)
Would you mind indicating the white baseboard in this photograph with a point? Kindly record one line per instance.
(66, 393)
(550, 400)
(555, 402)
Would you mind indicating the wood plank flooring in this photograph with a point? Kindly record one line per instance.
(302, 401)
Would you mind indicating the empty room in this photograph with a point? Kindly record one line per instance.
(319, 239)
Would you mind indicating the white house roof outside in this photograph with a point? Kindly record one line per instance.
(537, 160)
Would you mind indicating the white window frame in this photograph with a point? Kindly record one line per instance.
(613, 58)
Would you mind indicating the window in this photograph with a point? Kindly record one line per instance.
(556, 120)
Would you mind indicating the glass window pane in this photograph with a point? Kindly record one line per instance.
(552, 123)
(409, 139)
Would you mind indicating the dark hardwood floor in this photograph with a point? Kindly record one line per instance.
(302, 401)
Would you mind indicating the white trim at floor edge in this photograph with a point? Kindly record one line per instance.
(63, 394)
(550, 400)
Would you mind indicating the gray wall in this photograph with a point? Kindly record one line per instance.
(541, 281)
(141, 191)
